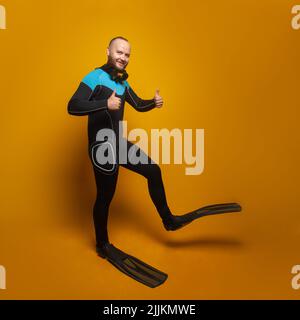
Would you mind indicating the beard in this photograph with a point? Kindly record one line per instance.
(113, 62)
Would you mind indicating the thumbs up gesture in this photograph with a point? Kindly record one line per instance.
(158, 99)
(113, 102)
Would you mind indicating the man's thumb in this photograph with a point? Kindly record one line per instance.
(157, 91)
(114, 93)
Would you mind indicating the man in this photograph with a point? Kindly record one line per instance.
(101, 95)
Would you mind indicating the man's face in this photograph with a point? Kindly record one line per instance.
(118, 54)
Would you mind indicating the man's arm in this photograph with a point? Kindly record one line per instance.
(80, 104)
(138, 103)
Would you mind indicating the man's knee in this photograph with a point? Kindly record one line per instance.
(153, 170)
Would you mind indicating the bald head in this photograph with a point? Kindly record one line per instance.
(116, 38)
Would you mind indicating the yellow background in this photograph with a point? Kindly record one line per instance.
(230, 67)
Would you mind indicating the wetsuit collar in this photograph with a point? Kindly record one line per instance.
(115, 74)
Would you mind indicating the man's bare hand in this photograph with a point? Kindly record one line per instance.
(113, 102)
(158, 99)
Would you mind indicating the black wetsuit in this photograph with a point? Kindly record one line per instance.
(91, 99)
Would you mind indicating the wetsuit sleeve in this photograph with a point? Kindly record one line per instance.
(138, 103)
(81, 103)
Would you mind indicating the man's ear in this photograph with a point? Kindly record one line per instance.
(107, 51)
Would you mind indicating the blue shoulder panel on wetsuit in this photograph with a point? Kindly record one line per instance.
(92, 79)
(100, 77)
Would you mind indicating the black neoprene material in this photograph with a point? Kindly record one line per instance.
(93, 102)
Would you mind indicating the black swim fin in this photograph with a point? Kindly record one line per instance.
(131, 266)
(176, 222)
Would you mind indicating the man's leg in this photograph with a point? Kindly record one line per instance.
(152, 172)
(106, 185)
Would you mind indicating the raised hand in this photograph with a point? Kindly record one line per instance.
(113, 102)
(158, 99)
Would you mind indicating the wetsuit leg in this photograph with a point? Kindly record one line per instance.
(152, 172)
(106, 186)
